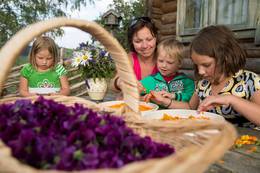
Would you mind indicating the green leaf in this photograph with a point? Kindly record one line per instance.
(78, 155)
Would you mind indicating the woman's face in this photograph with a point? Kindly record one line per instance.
(144, 42)
(44, 60)
(205, 65)
(167, 65)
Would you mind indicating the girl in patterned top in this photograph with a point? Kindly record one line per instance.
(224, 86)
(43, 75)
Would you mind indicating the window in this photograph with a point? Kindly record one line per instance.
(240, 15)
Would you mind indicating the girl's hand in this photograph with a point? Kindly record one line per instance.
(168, 95)
(158, 98)
(212, 101)
(148, 97)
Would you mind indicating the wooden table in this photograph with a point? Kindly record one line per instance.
(235, 160)
(239, 160)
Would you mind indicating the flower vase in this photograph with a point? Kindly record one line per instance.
(96, 88)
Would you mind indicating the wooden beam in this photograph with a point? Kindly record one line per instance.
(157, 3)
(168, 7)
(169, 18)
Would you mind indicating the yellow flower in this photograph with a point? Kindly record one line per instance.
(85, 58)
(76, 61)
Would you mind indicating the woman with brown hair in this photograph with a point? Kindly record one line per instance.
(142, 43)
(224, 86)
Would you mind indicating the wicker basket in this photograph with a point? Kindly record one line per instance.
(195, 150)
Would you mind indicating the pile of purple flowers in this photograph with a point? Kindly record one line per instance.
(49, 135)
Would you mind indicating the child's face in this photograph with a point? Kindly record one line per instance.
(167, 66)
(205, 64)
(44, 60)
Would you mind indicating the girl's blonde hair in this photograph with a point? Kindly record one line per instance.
(172, 48)
(43, 42)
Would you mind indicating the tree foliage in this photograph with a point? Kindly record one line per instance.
(128, 11)
(16, 14)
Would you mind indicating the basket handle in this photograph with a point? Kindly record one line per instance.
(12, 49)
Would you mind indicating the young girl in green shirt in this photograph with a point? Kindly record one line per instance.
(43, 76)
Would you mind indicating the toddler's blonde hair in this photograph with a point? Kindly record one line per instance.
(173, 49)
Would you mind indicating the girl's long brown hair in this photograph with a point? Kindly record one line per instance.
(219, 43)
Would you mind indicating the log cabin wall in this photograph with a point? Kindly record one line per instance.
(164, 15)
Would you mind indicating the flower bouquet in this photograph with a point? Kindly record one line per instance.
(93, 62)
(96, 66)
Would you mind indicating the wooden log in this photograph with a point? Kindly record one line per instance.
(17, 68)
(11, 95)
(157, 3)
(169, 26)
(148, 6)
(187, 64)
(189, 73)
(72, 69)
(168, 7)
(165, 32)
(158, 24)
(156, 11)
(168, 0)
(83, 93)
(78, 76)
(156, 16)
(163, 37)
(253, 53)
(169, 18)
(14, 75)
(77, 85)
(9, 84)
(252, 50)
(253, 64)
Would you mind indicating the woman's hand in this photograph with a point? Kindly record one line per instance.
(212, 101)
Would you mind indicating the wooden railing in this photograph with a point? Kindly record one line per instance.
(11, 86)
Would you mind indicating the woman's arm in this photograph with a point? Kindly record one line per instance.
(23, 88)
(250, 109)
(65, 88)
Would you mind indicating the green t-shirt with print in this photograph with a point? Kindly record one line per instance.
(43, 82)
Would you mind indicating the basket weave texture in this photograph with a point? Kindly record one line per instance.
(195, 149)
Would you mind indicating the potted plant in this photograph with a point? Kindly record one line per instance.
(96, 67)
